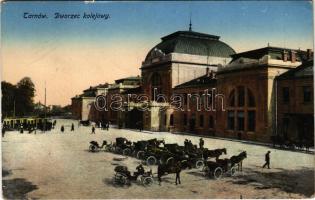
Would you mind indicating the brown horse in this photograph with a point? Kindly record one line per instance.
(171, 168)
(216, 153)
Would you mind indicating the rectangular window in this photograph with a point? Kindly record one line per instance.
(201, 121)
(230, 120)
(307, 94)
(251, 124)
(241, 96)
(285, 95)
(240, 121)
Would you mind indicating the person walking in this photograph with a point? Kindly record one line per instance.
(72, 127)
(107, 125)
(93, 130)
(267, 160)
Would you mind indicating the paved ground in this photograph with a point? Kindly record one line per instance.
(58, 166)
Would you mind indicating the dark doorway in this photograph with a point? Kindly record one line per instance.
(305, 124)
(134, 118)
(192, 123)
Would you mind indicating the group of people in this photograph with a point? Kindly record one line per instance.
(62, 128)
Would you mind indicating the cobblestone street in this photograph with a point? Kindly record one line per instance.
(55, 165)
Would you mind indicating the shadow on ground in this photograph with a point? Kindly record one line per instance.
(299, 181)
(17, 188)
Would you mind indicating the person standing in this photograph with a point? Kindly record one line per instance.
(201, 143)
(62, 129)
(107, 125)
(72, 127)
(93, 130)
(3, 131)
(267, 160)
(21, 130)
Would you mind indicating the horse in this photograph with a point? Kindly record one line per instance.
(238, 160)
(171, 168)
(213, 153)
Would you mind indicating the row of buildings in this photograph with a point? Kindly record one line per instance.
(250, 95)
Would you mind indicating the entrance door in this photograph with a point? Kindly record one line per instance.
(134, 119)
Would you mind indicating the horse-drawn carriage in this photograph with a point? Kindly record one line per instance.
(224, 166)
(85, 122)
(123, 176)
(95, 147)
(123, 146)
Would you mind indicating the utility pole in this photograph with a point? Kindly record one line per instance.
(14, 108)
(45, 110)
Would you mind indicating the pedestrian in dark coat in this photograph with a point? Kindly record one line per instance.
(201, 143)
(267, 160)
(3, 131)
(62, 128)
(93, 130)
(72, 127)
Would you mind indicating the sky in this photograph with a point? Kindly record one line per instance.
(70, 55)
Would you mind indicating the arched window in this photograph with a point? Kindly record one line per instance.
(241, 96)
(250, 99)
(201, 121)
(232, 98)
(241, 109)
(156, 85)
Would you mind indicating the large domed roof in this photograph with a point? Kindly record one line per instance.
(190, 42)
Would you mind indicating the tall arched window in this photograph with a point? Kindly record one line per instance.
(241, 115)
(232, 98)
(156, 85)
(250, 99)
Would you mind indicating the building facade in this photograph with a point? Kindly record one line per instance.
(180, 57)
(295, 104)
(222, 93)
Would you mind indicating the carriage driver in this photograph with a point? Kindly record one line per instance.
(140, 170)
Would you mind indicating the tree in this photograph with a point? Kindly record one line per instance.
(24, 102)
(8, 97)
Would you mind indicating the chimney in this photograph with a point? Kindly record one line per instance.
(285, 56)
(293, 56)
(309, 54)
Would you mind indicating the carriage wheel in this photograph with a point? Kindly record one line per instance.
(151, 160)
(140, 155)
(169, 160)
(147, 181)
(126, 152)
(118, 150)
(200, 164)
(120, 179)
(233, 170)
(217, 173)
(93, 148)
(108, 148)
